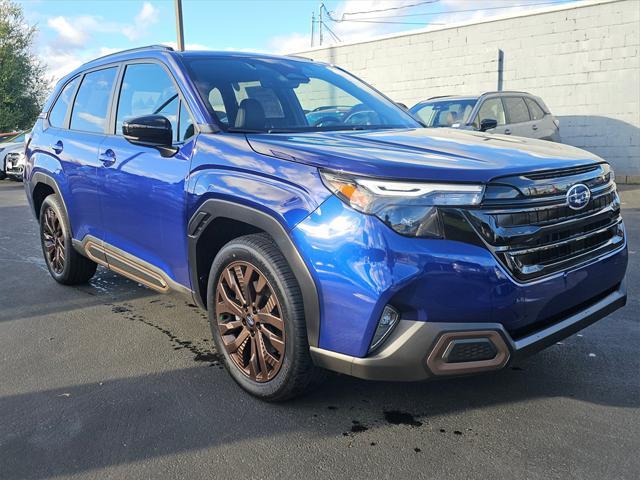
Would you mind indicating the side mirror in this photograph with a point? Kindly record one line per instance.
(488, 124)
(150, 131)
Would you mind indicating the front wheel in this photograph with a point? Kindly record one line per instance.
(256, 316)
(65, 265)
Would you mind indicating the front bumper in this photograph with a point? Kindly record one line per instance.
(14, 165)
(418, 350)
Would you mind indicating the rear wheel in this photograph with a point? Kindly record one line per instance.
(65, 264)
(257, 319)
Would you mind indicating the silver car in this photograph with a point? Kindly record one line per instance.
(12, 157)
(508, 113)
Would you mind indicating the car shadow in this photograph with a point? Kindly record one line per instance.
(90, 426)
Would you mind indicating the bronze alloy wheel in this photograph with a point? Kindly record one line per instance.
(53, 238)
(250, 321)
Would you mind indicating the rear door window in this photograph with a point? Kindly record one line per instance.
(58, 112)
(534, 109)
(147, 90)
(517, 111)
(91, 105)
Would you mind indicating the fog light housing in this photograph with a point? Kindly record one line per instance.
(388, 320)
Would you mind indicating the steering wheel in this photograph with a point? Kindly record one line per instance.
(366, 113)
(326, 122)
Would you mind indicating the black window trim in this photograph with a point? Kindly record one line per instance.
(107, 119)
(111, 126)
(67, 115)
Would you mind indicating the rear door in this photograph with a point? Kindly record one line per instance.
(518, 120)
(73, 136)
(541, 124)
(142, 192)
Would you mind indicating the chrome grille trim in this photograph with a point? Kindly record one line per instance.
(533, 237)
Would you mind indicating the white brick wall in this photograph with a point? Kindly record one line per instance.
(584, 61)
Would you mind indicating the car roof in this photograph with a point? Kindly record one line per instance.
(164, 51)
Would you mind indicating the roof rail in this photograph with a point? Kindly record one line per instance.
(442, 96)
(506, 91)
(136, 49)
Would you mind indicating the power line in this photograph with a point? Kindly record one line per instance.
(454, 11)
(331, 32)
(387, 19)
(383, 9)
(392, 22)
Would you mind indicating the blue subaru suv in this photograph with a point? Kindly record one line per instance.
(317, 222)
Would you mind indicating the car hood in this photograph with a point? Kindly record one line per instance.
(425, 154)
(11, 147)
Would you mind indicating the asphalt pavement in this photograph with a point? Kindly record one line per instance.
(112, 381)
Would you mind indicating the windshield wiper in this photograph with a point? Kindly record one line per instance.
(244, 130)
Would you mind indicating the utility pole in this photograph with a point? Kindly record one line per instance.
(320, 25)
(313, 26)
(179, 29)
(500, 69)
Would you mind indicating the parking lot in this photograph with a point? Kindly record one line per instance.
(111, 380)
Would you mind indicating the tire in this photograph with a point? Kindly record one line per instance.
(276, 322)
(64, 263)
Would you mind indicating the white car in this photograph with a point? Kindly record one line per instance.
(12, 157)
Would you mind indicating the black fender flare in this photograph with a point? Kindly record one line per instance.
(217, 208)
(41, 177)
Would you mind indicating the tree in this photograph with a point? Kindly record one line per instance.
(22, 82)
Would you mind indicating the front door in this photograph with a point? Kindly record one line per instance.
(492, 108)
(142, 192)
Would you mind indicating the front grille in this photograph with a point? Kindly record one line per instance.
(526, 223)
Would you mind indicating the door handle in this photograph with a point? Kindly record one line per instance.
(108, 157)
(57, 147)
(534, 127)
(507, 131)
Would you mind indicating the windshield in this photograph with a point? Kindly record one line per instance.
(286, 95)
(444, 113)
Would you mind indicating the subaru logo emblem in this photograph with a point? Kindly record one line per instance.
(578, 196)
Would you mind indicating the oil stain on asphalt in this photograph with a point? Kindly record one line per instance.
(392, 417)
(397, 417)
(213, 358)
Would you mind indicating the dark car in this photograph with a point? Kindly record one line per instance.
(509, 113)
(367, 245)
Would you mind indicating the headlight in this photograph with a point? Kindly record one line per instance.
(409, 208)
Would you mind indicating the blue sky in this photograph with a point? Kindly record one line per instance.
(74, 31)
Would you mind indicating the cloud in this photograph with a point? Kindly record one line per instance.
(68, 49)
(70, 33)
(294, 42)
(147, 16)
(75, 32)
(452, 9)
